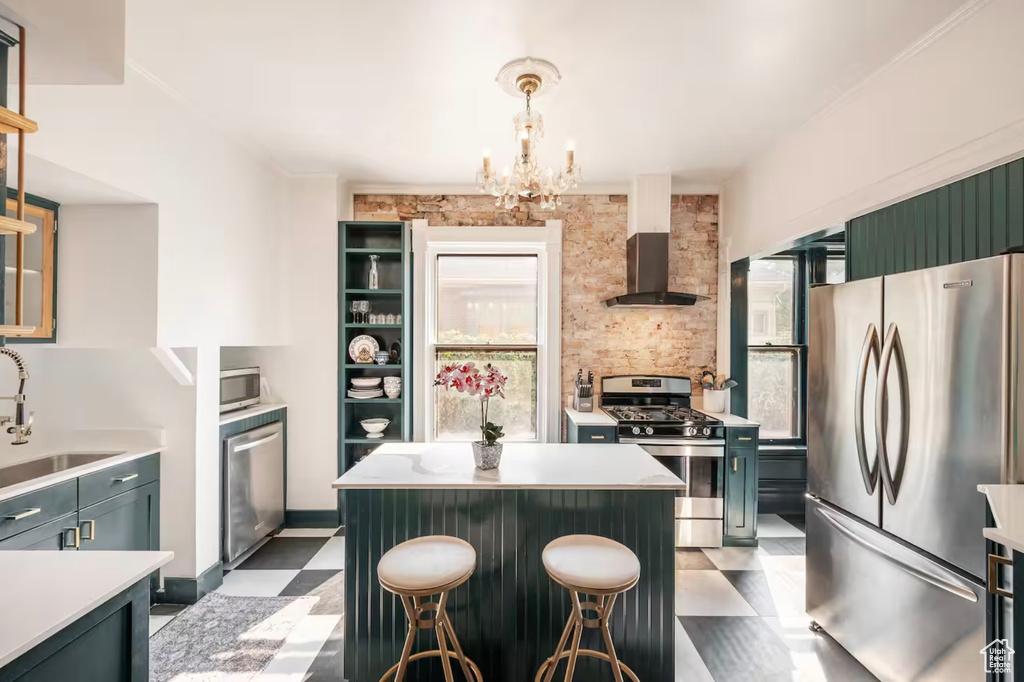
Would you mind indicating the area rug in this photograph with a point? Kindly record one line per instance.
(224, 639)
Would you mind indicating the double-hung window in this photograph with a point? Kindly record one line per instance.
(489, 295)
(776, 346)
(486, 312)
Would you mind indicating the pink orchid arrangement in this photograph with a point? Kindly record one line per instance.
(486, 384)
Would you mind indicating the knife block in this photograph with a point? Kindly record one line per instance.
(582, 404)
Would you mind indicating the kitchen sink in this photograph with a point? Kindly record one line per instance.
(36, 468)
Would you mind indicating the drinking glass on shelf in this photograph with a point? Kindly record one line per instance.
(374, 318)
(398, 318)
(364, 309)
(354, 307)
(390, 319)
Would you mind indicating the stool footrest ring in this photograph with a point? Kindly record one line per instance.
(436, 653)
(584, 652)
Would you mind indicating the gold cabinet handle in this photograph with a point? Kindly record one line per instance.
(24, 514)
(744, 438)
(735, 464)
(91, 531)
(994, 560)
(77, 535)
(597, 438)
(126, 477)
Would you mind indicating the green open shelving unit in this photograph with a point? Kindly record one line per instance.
(357, 241)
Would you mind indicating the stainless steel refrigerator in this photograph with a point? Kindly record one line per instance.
(914, 387)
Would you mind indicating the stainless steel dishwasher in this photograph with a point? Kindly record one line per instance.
(253, 495)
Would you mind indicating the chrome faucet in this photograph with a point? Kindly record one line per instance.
(21, 429)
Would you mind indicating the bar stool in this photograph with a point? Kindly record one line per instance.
(596, 566)
(422, 567)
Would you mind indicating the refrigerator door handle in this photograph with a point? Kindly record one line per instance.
(868, 352)
(927, 571)
(892, 346)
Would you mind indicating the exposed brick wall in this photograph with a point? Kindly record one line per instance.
(606, 341)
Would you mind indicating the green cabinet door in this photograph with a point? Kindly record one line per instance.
(56, 535)
(126, 522)
(741, 497)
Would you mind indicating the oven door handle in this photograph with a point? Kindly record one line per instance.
(688, 443)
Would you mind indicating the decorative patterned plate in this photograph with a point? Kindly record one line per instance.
(362, 348)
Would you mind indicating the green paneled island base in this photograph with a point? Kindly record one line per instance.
(509, 614)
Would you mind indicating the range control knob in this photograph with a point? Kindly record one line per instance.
(636, 430)
(690, 431)
(707, 430)
(649, 430)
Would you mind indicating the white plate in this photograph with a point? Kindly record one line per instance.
(362, 395)
(365, 382)
(362, 348)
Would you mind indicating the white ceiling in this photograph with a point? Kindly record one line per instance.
(403, 91)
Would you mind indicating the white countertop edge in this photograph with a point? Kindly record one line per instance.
(338, 485)
(596, 418)
(158, 559)
(726, 418)
(1007, 505)
(245, 413)
(74, 472)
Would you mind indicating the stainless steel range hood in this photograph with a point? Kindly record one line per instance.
(649, 217)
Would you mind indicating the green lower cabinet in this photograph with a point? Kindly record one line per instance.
(740, 497)
(108, 644)
(55, 535)
(125, 522)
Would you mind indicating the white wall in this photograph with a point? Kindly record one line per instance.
(221, 209)
(304, 374)
(107, 289)
(945, 109)
(121, 388)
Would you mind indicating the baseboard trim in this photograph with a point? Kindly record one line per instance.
(191, 590)
(311, 518)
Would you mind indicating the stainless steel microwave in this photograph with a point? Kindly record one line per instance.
(239, 388)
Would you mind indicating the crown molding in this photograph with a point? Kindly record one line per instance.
(958, 17)
(243, 142)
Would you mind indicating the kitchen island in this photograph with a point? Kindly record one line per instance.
(509, 615)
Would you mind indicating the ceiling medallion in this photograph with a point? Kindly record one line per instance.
(526, 178)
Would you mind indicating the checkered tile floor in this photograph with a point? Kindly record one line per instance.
(740, 611)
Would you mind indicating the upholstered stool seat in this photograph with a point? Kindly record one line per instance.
(426, 563)
(423, 567)
(589, 565)
(590, 562)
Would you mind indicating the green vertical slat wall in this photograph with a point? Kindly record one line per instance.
(976, 217)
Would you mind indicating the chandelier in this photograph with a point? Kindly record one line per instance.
(526, 178)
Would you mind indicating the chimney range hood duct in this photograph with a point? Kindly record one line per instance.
(650, 211)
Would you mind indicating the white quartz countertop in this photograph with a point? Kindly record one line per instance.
(555, 466)
(247, 412)
(129, 444)
(1007, 504)
(43, 592)
(726, 418)
(596, 418)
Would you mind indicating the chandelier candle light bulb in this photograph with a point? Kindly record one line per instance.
(527, 178)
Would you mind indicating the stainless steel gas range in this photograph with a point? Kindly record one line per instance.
(654, 412)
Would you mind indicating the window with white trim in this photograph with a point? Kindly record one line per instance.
(489, 295)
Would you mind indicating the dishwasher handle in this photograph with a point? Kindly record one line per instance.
(257, 443)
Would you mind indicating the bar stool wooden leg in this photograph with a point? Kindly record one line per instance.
(441, 644)
(456, 647)
(607, 603)
(562, 641)
(403, 662)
